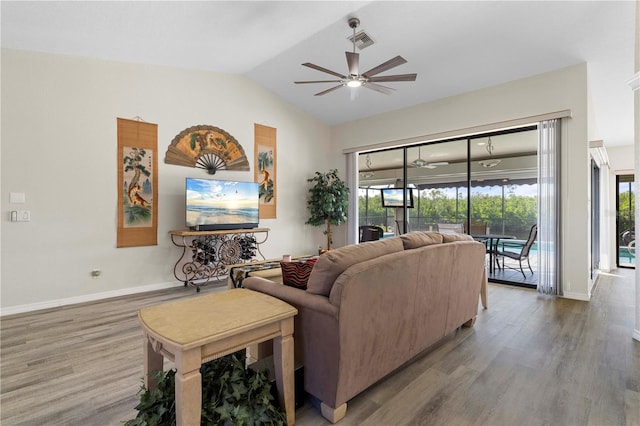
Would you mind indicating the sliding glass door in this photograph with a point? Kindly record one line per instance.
(625, 224)
(483, 184)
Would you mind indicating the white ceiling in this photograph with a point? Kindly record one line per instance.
(453, 46)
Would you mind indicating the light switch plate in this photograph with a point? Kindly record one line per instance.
(17, 197)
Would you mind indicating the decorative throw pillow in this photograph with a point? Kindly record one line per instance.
(312, 260)
(296, 274)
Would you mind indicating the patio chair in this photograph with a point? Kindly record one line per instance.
(523, 254)
(370, 233)
(451, 228)
(476, 228)
(479, 228)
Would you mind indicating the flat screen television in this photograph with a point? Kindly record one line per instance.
(221, 204)
(392, 197)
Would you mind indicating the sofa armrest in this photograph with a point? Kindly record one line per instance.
(295, 296)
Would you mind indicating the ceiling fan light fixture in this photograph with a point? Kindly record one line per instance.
(354, 83)
(492, 162)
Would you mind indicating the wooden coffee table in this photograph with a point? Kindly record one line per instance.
(193, 331)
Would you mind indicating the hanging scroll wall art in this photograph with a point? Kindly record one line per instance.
(137, 183)
(265, 169)
(207, 147)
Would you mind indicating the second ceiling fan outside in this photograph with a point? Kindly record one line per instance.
(367, 79)
(423, 164)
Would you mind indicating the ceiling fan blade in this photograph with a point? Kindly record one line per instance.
(425, 165)
(317, 81)
(378, 88)
(398, 77)
(391, 63)
(324, 92)
(319, 68)
(353, 60)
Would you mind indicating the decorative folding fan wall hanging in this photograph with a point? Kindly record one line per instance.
(368, 79)
(206, 147)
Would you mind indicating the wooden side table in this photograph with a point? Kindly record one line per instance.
(193, 331)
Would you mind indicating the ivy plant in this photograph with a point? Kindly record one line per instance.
(231, 395)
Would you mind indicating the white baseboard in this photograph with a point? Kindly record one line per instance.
(576, 296)
(86, 298)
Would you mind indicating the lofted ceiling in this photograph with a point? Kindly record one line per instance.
(453, 46)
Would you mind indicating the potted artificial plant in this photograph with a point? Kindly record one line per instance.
(231, 395)
(328, 201)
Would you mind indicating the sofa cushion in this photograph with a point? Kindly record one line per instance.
(296, 274)
(449, 238)
(333, 263)
(417, 239)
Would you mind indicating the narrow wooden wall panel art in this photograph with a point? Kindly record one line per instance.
(137, 183)
(265, 169)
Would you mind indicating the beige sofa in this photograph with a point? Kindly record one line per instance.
(371, 307)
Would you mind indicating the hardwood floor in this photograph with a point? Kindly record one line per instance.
(528, 360)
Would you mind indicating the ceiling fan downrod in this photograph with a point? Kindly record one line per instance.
(354, 80)
(353, 24)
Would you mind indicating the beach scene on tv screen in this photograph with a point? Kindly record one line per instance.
(393, 197)
(211, 202)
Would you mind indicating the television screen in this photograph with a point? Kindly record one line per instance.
(392, 197)
(221, 204)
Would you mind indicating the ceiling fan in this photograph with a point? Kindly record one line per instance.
(366, 79)
(423, 164)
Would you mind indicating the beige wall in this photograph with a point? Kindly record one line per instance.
(545, 93)
(59, 148)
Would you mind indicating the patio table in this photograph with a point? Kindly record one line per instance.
(494, 239)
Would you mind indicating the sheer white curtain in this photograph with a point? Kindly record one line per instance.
(549, 207)
(352, 212)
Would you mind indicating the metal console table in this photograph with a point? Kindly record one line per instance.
(206, 254)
